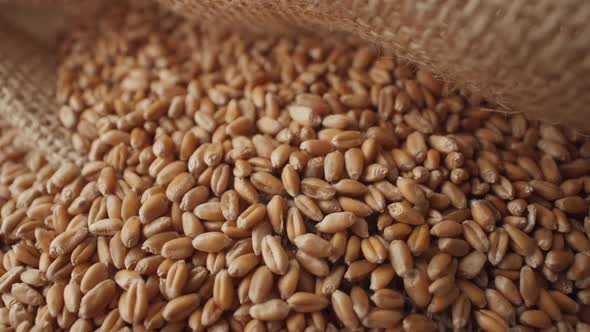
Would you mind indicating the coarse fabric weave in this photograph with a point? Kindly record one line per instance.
(27, 95)
(528, 56)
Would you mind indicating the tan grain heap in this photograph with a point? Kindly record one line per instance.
(264, 183)
(199, 179)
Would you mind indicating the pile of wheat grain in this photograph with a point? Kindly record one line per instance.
(270, 183)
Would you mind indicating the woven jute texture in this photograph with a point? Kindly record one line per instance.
(27, 95)
(528, 56)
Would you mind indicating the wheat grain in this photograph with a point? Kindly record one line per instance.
(282, 183)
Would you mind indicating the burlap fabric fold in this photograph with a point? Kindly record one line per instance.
(27, 94)
(527, 56)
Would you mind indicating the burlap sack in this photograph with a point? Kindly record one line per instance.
(27, 95)
(528, 56)
(27, 76)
